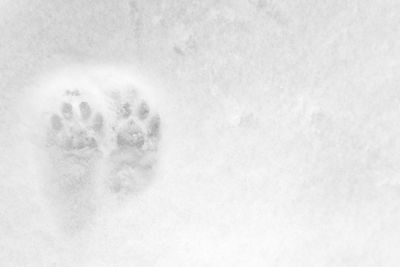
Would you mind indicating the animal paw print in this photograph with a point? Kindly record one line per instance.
(135, 153)
(76, 127)
(137, 128)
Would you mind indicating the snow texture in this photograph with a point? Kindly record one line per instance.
(199, 133)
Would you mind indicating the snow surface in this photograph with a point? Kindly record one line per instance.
(280, 130)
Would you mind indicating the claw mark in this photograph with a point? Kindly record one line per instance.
(85, 110)
(143, 110)
(126, 110)
(66, 110)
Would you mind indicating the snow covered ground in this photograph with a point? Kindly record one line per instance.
(279, 132)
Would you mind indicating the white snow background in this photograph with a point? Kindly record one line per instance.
(280, 130)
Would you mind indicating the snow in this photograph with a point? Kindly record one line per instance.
(279, 122)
